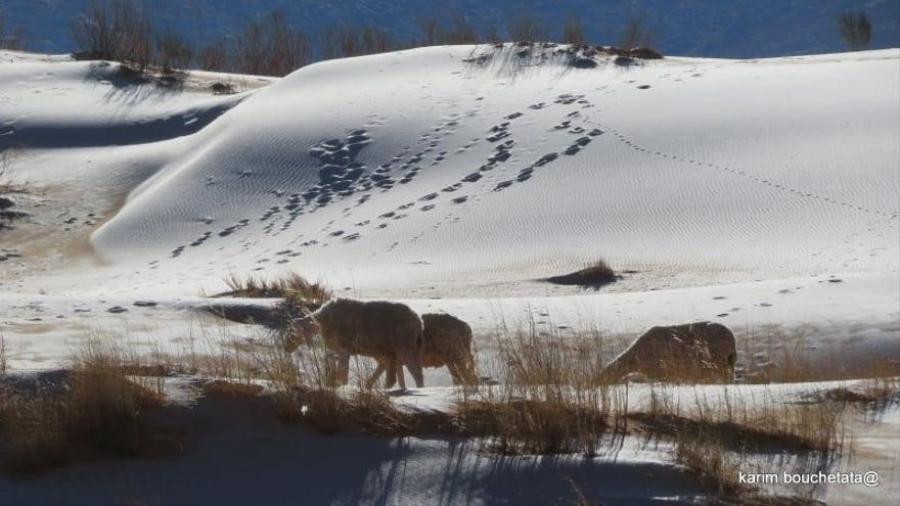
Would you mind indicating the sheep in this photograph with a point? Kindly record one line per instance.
(389, 332)
(700, 352)
(448, 342)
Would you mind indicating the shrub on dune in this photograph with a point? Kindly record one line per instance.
(294, 288)
(593, 276)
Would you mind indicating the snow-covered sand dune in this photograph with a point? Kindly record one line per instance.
(469, 173)
(762, 194)
(415, 169)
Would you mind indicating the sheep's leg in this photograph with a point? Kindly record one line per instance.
(455, 372)
(469, 375)
(414, 364)
(378, 371)
(462, 373)
(398, 373)
(391, 378)
(343, 367)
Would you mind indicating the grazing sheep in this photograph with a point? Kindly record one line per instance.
(701, 352)
(389, 332)
(448, 342)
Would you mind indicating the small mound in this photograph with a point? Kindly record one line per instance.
(593, 276)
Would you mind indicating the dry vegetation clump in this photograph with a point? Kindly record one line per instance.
(713, 432)
(304, 393)
(300, 297)
(856, 30)
(120, 30)
(771, 355)
(9, 39)
(91, 412)
(115, 30)
(294, 288)
(271, 47)
(547, 400)
(6, 169)
(223, 388)
(595, 276)
(3, 359)
(871, 396)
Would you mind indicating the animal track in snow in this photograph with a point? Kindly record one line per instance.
(757, 179)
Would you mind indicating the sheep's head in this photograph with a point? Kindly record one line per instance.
(301, 331)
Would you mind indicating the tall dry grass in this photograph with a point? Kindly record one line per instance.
(293, 288)
(547, 399)
(91, 412)
(7, 158)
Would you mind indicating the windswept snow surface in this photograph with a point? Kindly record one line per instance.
(719, 171)
(762, 194)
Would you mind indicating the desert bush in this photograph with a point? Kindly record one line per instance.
(115, 30)
(271, 47)
(430, 29)
(491, 34)
(215, 56)
(594, 276)
(9, 39)
(173, 52)
(527, 27)
(635, 34)
(856, 30)
(344, 42)
(294, 288)
(573, 32)
(458, 31)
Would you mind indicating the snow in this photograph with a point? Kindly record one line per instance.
(755, 193)
(760, 194)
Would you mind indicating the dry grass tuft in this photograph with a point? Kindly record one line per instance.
(95, 411)
(293, 288)
(534, 427)
(712, 431)
(367, 411)
(547, 400)
(300, 296)
(3, 360)
(222, 388)
(593, 276)
(305, 393)
(771, 355)
(7, 157)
